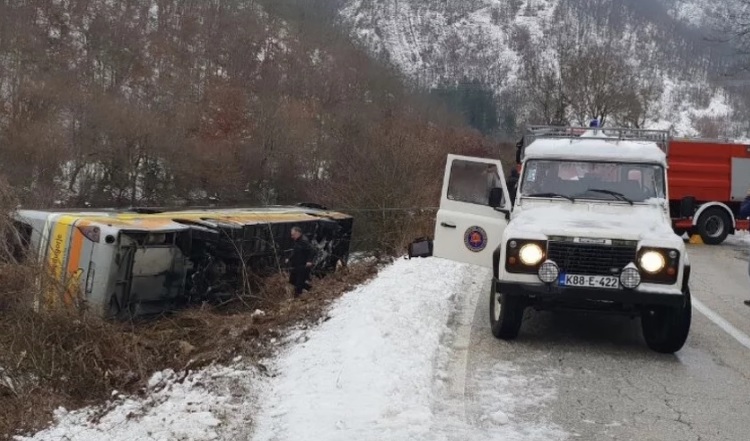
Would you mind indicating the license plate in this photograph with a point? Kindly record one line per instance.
(573, 280)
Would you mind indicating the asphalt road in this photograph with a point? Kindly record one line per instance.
(609, 386)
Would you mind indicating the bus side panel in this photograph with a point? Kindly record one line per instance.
(78, 266)
(101, 279)
(59, 241)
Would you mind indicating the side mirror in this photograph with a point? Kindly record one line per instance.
(496, 202)
(687, 206)
(496, 197)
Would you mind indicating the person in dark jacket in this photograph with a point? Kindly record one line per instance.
(744, 214)
(512, 184)
(747, 302)
(745, 207)
(300, 262)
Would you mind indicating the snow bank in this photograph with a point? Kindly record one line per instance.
(368, 370)
(374, 371)
(175, 408)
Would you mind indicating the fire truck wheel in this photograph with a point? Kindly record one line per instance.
(506, 315)
(666, 329)
(714, 225)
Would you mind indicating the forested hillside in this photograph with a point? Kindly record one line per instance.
(640, 63)
(146, 102)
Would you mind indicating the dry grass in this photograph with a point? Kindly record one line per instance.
(50, 359)
(72, 359)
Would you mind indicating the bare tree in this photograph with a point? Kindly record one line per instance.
(596, 80)
(544, 90)
(640, 103)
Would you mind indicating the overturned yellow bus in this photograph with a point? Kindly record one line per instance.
(133, 263)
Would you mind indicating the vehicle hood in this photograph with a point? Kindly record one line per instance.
(644, 222)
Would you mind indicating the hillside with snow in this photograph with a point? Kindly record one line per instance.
(502, 45)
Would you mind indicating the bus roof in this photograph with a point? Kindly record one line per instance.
(180, 219)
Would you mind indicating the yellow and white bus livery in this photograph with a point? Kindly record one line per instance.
(132, 263)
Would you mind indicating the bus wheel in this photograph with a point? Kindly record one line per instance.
(714, 225)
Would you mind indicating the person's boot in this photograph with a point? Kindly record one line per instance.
(747, 302)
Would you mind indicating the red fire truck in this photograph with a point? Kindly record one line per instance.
(708, 179)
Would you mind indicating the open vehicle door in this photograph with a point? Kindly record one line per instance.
(474, 210)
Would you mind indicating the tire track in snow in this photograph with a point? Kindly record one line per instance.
(479, 395)
(452, 369)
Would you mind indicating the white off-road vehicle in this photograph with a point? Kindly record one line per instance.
(590, 230)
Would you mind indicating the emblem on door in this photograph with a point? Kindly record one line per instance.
(475, 239)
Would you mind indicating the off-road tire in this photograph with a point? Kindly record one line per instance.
(508, 324)
(666, 328)
(714, 226)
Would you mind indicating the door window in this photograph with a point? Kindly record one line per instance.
(471, 182)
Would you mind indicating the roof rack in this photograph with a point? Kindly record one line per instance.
(660, 137)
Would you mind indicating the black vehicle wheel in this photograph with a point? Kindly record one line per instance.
(714, 226)
(666, 329)
(506, 314)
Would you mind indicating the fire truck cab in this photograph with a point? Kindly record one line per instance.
(590, 229)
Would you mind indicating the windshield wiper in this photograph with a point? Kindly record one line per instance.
(551, 195)
(616, 194)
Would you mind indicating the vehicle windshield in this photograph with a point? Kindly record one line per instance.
(607, 181)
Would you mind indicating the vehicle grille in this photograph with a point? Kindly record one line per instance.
(585, 259)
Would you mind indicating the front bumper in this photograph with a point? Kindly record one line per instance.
(556, 294)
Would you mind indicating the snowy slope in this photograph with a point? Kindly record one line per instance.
(689, 11)
(380, 368)
(192, 407)
(376, 369)
(434, 42)
(698, 13)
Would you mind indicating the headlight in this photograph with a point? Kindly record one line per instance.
(549, 272)
(531, 254)
(524, 256)
(630, 277)
(652, 262)
(659, 265)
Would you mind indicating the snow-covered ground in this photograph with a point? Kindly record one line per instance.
(380, 367)
(375, 371)
(740, 237)
(193, 407)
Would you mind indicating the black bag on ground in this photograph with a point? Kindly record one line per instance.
(421, 247)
